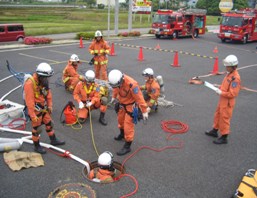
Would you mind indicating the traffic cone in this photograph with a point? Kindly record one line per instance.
(215, 51)
(140, 55)
(175, 61)
(158, 46)
(216, 66)
(81, 43)
(112, 52)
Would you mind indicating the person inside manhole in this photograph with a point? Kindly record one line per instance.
(105, 172)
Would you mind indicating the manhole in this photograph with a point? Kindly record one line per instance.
(116, 165)
(73, 190)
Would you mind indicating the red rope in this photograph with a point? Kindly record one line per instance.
(171, 126)
(66, 154)
(13, 125)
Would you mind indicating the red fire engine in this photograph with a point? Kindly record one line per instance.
(239, 25)
(189, 22)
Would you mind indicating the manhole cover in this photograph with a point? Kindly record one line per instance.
(74, 190)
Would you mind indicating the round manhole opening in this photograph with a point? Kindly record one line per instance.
(118, 170)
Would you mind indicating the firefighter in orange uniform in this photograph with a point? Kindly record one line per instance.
(38, 99)
(151, 89)
(106, 171)
(100, 49)
(70, 76)
(87, 94)
(127, 91)
(228, 92)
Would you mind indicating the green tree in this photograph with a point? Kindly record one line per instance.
(240, 4)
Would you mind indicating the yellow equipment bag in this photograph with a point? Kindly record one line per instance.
(248, 186)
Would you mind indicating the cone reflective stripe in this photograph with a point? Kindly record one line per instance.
(112, 52)
(141, 55)
(215, 51)
(175, 61)
(216, 66)
(81, 43)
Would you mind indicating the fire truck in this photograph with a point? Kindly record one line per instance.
(239, 25)
(190, 22)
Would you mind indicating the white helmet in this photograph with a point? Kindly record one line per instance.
(230, 60)
(148, 72)
(90, 76)
(98, 33)
(74, 58)
(105, 160)
(44, 69)
(115, 78)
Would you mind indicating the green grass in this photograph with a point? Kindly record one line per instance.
(42, 21)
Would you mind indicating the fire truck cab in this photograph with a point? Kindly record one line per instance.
(239, 25)
(173, 24)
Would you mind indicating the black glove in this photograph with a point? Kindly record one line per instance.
(96, 54)
(117, 107)
(91, 62)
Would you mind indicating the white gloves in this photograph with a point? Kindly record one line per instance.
(88, 104)
(81, 105)
(145, 116)
(218, 91)
(148, 109)
(112, 100)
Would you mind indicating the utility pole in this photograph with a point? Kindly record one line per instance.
(130, 16)
(116, 17)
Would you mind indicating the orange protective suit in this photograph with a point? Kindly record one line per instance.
(70, 76)
(34, 97)
(128, 94)
(100, 49)
(102, 174)
(84, 92)
(152, 89)
(230, 88)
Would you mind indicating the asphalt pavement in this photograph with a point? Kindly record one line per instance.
(188, 165)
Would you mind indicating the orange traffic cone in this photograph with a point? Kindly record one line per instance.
(81, 43)
(158, 46)
(175, 61)
(216, 66)
(140, 55)
(112, 52)
(215, 51)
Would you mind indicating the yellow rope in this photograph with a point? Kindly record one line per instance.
(73, 125)
(92, 133)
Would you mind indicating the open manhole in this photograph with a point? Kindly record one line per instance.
(94, 165)
(73, 190)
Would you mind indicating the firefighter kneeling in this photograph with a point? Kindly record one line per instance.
(151, 89)
(106, 171)
(87, 94)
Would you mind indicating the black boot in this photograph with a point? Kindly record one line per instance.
(221, 140)
(55, 141)
(126, 149)
(101, 119)
(213, 132)
(120, 136)
(38, 148)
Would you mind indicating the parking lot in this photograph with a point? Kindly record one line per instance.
(198, 168)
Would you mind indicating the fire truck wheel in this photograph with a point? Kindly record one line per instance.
(157, 36)
(175, 35)
(195, 35)
(223, 40)
(245, 39)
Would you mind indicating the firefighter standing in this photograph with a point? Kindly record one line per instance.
(38, 99)
(70, 76)
(151, 89)
(127, 91)
(228, 92)
(100, 49)
(106, 171)
(87, 94)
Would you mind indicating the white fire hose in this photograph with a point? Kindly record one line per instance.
(49, 146)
